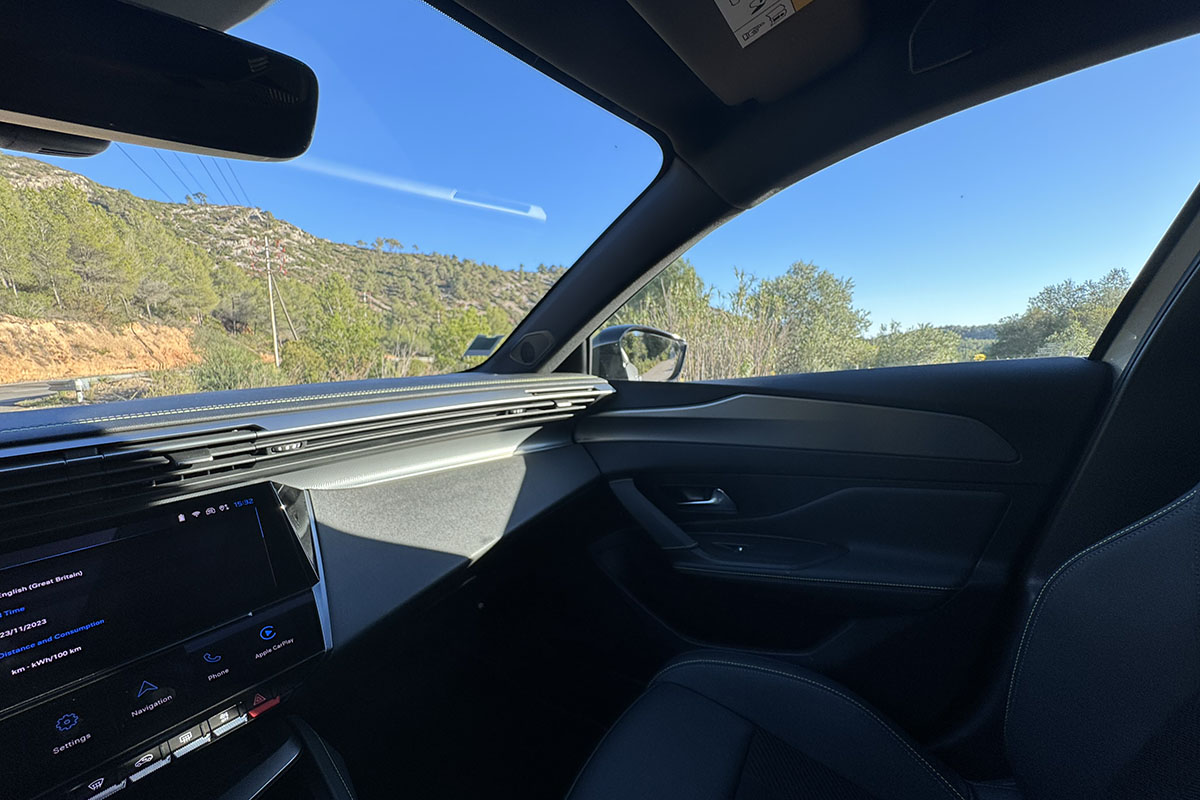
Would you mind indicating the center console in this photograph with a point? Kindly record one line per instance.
(128, 647)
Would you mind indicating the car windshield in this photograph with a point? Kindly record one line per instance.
(448, 186)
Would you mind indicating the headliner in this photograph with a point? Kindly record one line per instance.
(834, 84)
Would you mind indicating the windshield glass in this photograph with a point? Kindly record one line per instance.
(447, 188)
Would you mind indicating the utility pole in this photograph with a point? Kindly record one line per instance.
(282, 304)
(271, 300)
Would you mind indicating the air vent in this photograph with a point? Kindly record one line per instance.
(81, 477)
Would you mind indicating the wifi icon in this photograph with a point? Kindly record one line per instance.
(195, 513)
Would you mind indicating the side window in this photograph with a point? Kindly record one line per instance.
(1010, 230)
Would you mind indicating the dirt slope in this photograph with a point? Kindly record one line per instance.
(35, 350)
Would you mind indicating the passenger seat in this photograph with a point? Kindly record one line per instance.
(1103, 702)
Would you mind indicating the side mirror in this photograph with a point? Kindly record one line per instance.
(637, 353)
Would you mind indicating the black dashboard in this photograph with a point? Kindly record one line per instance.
(174, 584)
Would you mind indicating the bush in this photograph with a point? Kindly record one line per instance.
(302, 363)
(227, 363)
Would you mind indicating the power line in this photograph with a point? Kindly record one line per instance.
(188, 171)
(147, 174)
(225, 163)
(239, 182)
(217, 164)
(214, 183)
(170, 169)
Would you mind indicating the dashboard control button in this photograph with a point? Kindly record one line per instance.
(149, 768)
(76, 730)
(146, 758)
(196, 744)
(66, 722)
(183, 743)
(98, 787)
(262, 707)
(224, 717)
(148, 701)
(233, 724)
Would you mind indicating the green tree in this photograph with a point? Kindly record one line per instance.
(343, 332)
(96, 253)
(819, 327)
(924, 344)
(16, 268)
(450, 337)
(1063, 319)
(227, 363)
(303, 363)
(48, 239)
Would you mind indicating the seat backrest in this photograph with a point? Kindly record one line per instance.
(1104, 700)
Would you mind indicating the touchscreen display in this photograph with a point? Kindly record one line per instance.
(105, 597)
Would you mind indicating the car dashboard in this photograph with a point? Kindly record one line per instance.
(166, 588)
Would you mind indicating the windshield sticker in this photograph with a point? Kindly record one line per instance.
(750, 19)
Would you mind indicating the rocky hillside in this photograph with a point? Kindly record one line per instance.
(75, 251)
(383, 271)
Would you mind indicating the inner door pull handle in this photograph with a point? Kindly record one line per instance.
(716, 501)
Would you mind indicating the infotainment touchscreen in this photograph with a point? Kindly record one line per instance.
(96, 600)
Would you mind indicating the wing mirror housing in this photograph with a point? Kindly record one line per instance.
(637, 353)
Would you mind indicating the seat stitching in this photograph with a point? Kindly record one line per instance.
(333, 763)
(754, 730)
(1196, 573)
(720, 572)
(830, 690)
(600, 745)
(757, 728)
(1048, 588)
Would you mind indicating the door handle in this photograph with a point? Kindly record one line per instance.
(716, 501)
(666, 534)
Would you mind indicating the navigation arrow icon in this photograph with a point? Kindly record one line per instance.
(147, 686)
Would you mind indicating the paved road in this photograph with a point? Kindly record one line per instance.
(13, 393)
(660, 371)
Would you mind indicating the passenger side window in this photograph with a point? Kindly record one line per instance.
(1010, 230)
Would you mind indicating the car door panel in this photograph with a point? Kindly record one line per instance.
(843, 521)
(749, 420)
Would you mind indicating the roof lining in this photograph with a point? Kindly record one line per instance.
(610, 49)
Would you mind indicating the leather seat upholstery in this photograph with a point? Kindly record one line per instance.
(1104, 702)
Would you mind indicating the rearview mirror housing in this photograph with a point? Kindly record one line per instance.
(637, 353)
(106, 70)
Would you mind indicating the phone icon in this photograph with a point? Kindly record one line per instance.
(210, 658)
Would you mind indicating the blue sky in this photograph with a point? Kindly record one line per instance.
(958, 222)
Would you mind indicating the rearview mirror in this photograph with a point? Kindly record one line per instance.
(637, 353)
(104, 69)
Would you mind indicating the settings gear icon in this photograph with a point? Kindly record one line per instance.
(66, 722)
